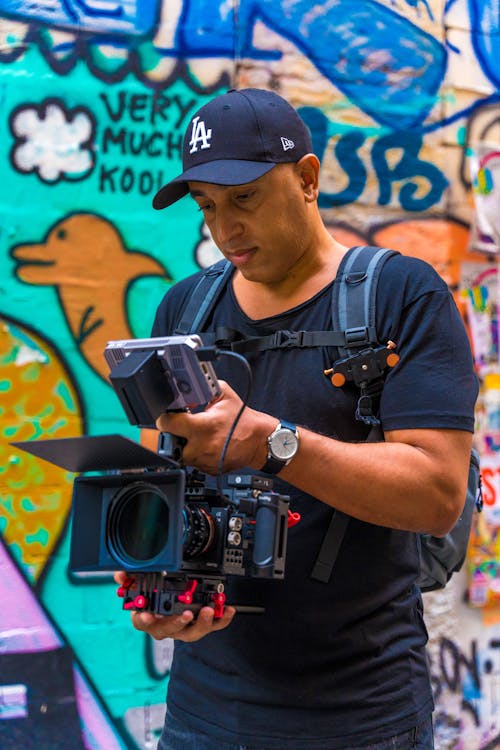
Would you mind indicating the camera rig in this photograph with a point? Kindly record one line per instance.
(176, 537)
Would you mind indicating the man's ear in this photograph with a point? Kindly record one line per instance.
(308, 171)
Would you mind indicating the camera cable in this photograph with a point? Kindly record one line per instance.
(244, 398)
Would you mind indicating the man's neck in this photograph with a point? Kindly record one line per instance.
(261, 300)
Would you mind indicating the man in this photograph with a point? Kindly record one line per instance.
(340, 665)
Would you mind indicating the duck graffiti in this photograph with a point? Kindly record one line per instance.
(94, 309)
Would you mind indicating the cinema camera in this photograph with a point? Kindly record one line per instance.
(176, 538)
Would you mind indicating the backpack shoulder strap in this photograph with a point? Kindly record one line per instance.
(354, 297)
(363, 359)
(334, 536)
(204, 297)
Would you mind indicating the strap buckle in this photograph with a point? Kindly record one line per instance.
(357, 336)
(286, 339)
(367, 405)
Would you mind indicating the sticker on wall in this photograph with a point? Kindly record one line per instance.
(480, 293)
(485, 170)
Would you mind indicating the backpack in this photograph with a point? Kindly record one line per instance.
(364, 362)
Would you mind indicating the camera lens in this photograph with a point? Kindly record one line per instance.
(199, 530)
(138, 523)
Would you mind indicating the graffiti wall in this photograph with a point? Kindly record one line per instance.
(402, 98)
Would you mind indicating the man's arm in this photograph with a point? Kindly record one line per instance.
(416, 480)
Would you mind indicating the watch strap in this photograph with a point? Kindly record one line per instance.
(287, 425)
(273, 465)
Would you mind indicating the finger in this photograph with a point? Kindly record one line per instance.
(182, 627)
(176, 423)
(206, 623)
(159, 627)
(125, 580)
(225, 620)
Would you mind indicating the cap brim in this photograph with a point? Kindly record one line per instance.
(221, 172)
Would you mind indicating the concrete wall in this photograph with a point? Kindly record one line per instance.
(94, 98)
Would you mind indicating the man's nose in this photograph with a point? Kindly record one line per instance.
(228, 226)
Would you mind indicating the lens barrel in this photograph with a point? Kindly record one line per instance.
(199, 531)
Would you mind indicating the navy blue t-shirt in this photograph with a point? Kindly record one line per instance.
(329, 665)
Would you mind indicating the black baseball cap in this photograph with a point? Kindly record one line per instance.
(236, 138)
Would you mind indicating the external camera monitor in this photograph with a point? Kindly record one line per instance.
(156, 375)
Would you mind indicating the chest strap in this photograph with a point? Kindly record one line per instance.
(228, 338)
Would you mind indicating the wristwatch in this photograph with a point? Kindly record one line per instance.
(282, 445)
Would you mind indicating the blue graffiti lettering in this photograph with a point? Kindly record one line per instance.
(346, 153)
(409, 170)
(485, 33)
(409, 165)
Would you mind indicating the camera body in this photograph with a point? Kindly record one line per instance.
(155, 375)
(177, 539)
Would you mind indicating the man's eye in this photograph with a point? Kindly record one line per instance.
(203, 208)
(245, 196)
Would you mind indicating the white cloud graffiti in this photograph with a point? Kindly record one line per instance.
(53, 141)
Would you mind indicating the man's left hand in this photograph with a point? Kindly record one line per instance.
(206, 433)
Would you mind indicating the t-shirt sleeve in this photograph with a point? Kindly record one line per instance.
(434, 384)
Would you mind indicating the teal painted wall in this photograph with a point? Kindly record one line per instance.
(94, 99)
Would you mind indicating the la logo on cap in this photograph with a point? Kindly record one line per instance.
(287, 144)
(199, 135)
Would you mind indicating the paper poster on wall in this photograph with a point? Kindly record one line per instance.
(483, 556)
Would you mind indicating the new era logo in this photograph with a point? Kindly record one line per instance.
(199, 135)
(287, 144)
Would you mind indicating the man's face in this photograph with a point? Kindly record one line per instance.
(261, 227)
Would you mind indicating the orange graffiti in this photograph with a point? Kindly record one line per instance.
(441, 242)
(38, 401)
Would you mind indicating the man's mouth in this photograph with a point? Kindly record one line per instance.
(241, 257)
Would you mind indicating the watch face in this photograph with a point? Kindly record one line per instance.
(283, 444)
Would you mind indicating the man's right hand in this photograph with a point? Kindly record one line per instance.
(184, 627)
